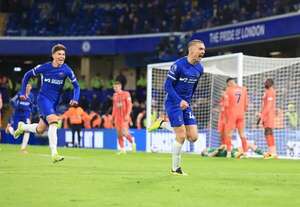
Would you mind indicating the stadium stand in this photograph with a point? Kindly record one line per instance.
(92, 17)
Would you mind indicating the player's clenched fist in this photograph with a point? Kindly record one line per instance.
(184, 105)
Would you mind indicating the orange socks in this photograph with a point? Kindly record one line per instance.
(270, 140)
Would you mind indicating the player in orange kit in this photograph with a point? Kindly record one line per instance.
(122, 107)
(267, 117)
(235, 106)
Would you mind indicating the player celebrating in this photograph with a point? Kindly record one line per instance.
(267, 117)
(122, 107)
(53, 75)
(22, 111)
(180, 86)
(235, 106)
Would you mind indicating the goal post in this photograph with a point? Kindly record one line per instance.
(250, 72)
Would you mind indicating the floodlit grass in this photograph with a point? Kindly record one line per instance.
(102, 178)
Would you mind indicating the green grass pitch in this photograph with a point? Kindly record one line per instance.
(101, 178)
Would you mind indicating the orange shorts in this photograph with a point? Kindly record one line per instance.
(119, 125)
(269, 122)
(235, 122)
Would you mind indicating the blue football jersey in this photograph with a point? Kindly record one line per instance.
(22, 108)
(182, 80)
(52, 80)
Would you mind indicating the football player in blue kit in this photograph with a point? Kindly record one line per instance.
(180, 85)
(22, 112)
(53, 75)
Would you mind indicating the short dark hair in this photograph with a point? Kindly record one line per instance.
(229, 79)
(58, 47)
(193, 42)
(117, 83)
(270, 81)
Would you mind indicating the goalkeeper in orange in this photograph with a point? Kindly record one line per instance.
(122, 107)
(267, 117)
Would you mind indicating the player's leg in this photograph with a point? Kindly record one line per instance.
(78, 129)
(73, 134)
(241, 126)
(190, 125)
(12, 125)
(176, 152)
(9, 129)
(255, 149)
(228, 135)
(128, 136)
(160, 123)
(271, 143)
(25, 140)
(176, 118)
(119, 130)
(156, 124)
(52, 120)
(230, 125)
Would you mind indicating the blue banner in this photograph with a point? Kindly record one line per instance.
(261, 30)
(80, 46)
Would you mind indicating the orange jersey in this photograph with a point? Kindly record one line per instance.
(76, 115)
(107, 121)
(122, 106)
(235, 101)
(268, 112)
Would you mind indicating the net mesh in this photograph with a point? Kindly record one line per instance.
(205, 104)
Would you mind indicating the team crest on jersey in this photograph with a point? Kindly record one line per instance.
(173, 68)
(61, 74)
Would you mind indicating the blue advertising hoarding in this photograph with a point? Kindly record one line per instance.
(260, 30)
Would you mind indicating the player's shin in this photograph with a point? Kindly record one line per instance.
(25, 140)
(121, 142)
(176, 155)
(52, 134)
(228, 146)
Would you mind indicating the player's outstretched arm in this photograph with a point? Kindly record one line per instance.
(25, 80)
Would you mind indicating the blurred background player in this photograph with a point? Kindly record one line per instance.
(235, 106)
(22, 112)
(76, 117)
(122, 107)
(267, 117)
(180, 85)
(53, 76)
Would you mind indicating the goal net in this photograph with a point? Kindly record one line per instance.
(250, 72)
